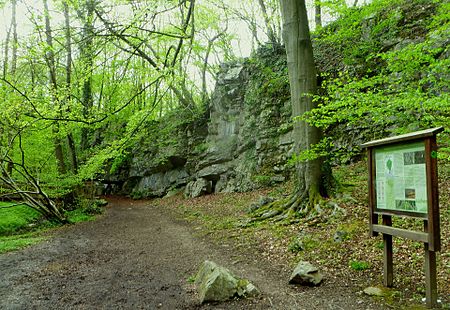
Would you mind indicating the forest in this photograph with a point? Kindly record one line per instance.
(256, 110)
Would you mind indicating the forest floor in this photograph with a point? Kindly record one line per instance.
(144, 254)
(139, 255)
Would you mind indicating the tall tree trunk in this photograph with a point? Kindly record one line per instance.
(303, 82)
(70, 139)
(9, 69)
(87, 56)
(15, 43)
(51, 63)
(270, 31)
(318, 14)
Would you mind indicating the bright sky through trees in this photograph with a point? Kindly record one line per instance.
(241, 45)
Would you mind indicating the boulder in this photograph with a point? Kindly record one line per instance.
(198, 188)
(375, 291)
(216, 283)
(306, 274)
(158, 184)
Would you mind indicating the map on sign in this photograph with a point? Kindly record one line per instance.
(401, 178)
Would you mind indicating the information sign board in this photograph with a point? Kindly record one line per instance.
(401, 181)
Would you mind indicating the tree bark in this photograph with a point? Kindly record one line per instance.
(307, 198)
(15, 41)
(87, 55)
(270, 31)
(51, 64)
(303, 84)
(70, 140)
(318, 14)
(13, 70)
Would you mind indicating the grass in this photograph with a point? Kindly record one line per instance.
(359, 265)
(15, 242)
(15, 224)
(14, 219)
(21, 226)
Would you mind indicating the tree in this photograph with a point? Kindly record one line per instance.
(70, 139)
(51, 64)
(270, 30)
(318, 14)
(11, 73)
(303, 84)
(86, 14)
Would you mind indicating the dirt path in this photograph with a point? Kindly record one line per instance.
(138, 256)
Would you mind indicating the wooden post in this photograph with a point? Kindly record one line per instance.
(373, 219)
(430, 274)
(433, 223)
(388, 254)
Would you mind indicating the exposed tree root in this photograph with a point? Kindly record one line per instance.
(308, 206)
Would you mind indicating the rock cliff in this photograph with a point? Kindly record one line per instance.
(242, 143)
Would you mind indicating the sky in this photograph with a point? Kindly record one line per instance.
(242, 46)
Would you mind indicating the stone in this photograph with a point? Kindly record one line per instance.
(220, 285)
(306, 274)
(277, 179)
(262, 201)
(158, 184)
(249, 291)
(374, 291)
(233, 73)
(213, 171)
(216, 283)
(174, 192)
(198, 188)
(340, 236)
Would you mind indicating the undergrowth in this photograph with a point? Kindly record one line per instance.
(21, 226)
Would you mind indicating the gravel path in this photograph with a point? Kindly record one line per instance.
(139, 256)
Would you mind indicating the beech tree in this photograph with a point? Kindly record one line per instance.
(303, 85)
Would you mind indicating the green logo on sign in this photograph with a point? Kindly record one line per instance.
(434, 154)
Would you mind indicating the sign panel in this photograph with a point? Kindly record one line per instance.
(400, 178)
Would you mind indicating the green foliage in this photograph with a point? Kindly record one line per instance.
(295, 246)
(15, 242)
(86, 210)
(20, 225)
(401, 84)
(262, 180)
(270, 80)
(359, 265)
(302, 243)
(14, 219)
(118, 161)
(191, 278)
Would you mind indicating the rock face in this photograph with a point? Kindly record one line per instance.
(216, 283)
(306, 274)
(198, 188)
(243, 144)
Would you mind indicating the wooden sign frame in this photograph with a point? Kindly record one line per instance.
(431, 234)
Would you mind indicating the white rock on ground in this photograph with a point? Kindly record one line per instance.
(306, 274)
(216, 283)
